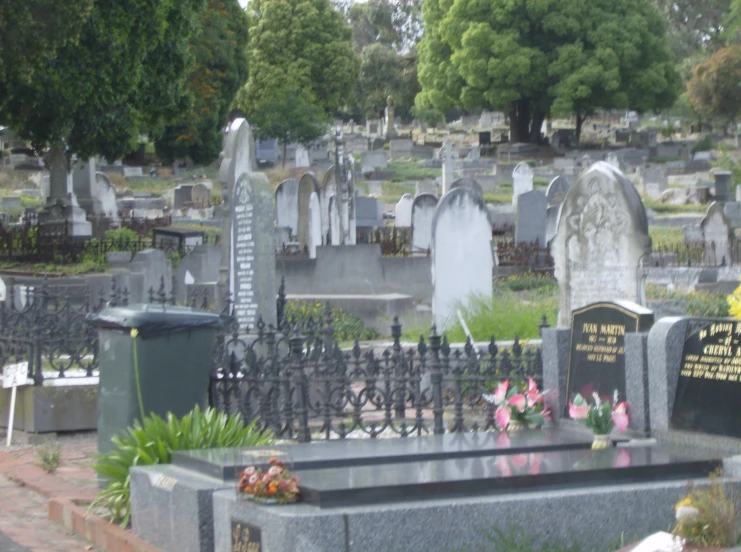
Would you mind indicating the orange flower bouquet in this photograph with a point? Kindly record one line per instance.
(276, 485)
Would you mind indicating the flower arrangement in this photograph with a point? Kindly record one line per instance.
(601, 417)
(519, 407)
(276, 485)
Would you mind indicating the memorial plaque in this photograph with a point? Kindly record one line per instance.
(597, 349)
(243, 252)
(709, 384)
(245, 537)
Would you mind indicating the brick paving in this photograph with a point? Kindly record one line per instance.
(25, 491)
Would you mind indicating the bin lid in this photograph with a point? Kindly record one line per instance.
(151, 319)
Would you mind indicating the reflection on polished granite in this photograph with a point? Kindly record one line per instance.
(225, 463)
(476, 476)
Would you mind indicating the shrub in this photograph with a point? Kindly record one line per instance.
(528, 280)
(121, 234)
(50, 455)
(346, 326)
(153, 440)
(715, 518)
(703, 144)
(698, 303)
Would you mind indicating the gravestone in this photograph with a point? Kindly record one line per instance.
(390, 125)
(557, 190)
(372, 160)
(423, 211)
(475, 153)
(401, 147)
(655, 179)
(551, 222)
(286, 205)
(462, 260)
(181, 195)
(468, 182)
(200, 196)
(266, 150)
(530, 224)
(306, 186)
(722, 185)
(601, 243)
(446, 153)
(107, 195)
(302, 157)
(61, 202)
(716, 231)
(404, 211)
(315, 224)
(334, 221)
(612, 159)
(565, 165)
(85, 187)
(522, 181)
(597, 348)
(709, 385)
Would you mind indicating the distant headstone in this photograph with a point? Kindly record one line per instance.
(522, 181)
(423, 211)
(722, 185)
(286, 204)
(551, 222)
(716, 232)
(107, 195)
(612, 159)
(601, 243)
(266, 150)
(302, 157)
(557, 190)
(335, 237)
(475, 153)
(181, 195)
(706, 400)
(530, 223)
(372, 160)
(306, 186)
(597, 350)
(401, 147)
(462, 260)
(655, 175)
(403, 217)
(468, 182)
(565, 165)
(390, 125)
(315, 224)
(10, 202)
(200, 196)
(132, 172)
(732, 210)
(447, 158)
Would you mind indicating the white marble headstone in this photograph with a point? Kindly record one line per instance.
(404, 211)
(716, 232)
(302, 157)
(522, 181)
(286, 205)
(446, 154)
(602, 242)
(315, 224)
(335, 237)
(423, 211)
(462, 261)
(307, 185)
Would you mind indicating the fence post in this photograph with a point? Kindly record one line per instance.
(437, 382)
(302, 388)
(399, 386)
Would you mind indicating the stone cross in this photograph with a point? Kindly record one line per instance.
(601, 247)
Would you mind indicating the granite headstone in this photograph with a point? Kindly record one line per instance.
(530, 224)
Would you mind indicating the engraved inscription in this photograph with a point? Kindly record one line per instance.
(243, 251)
(245, 537)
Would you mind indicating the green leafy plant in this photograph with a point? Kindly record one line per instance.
(152, 441)
(517, 539)
(346, 326)
(601, 416)
(708, 516)
(703, 144)
(50, 455)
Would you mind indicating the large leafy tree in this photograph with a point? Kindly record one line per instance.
(298, 45)
(531, 57)
(123, 76)
(694, 25)
(31, 34)
(715, 89)
(393, 23)
(220, 70)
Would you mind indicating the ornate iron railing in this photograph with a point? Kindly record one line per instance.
(531, 255)
(301, 385)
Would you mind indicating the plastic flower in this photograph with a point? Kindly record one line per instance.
(578, 409)
(500, 394)
(503, 416)
(518, 401)
(249, 471)
(254, 479)
(547, 414)
(620, 416)
(274, 471)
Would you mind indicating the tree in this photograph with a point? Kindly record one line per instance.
(396, 24)
(530, 57)
(123, 76)
(694, 25)
(31, 33)
(298, 45)
(715, 88)
(220, 70)
(291, 116)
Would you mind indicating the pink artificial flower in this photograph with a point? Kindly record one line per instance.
(578, 412)
(500, 393)
(274, 471)
(620, 416)
(519, 460)
(518, 401)
(503, 440)
(253, 479)
(249, 471)
(623, 459)
(503, 415)
(535, 460)
(533, 397)
(504, 467)
(547, 414)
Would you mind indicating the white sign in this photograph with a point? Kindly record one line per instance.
(15, 374)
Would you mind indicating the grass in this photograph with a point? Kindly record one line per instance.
(669, 209)
(698, 303)
(85, 267)
(411, 170)
(663, 236)
(517, 539)
(50, 456)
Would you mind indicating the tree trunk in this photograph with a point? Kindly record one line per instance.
(523, 120)
(537, 124)
(285, 147)
(579, 122)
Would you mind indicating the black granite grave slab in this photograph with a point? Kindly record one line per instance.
(224, 464)
(709, 384)
(490, 475)
(597, 348)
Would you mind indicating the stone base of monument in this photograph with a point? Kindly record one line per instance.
(592, 497)
(73, 217)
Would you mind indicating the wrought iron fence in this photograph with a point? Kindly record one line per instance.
(301, 385)
(696, 253)
(531, 255)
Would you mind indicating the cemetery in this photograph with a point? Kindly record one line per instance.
(311, 280)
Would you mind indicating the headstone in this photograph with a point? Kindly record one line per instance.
(462, 260)
(423, 211)
(404, 211)
(738, 194)
(522, 181)
(368, 212)
(286, 205)
(654, 177)
(335, 237)
(551, 222)
(716, 232)
(266, 150)
(601, 243)
(372, 160)
(200, 196)
(132, 172)
(447, 158)
(732, 210)
(692, 233)
(307, 185)
(612, 159)
(315, 224)
(485, 138)
(597, 350)
(706, 400)
(84, 185)
(107, 195)
(565, 165)
(468, 182)
(252, 274)
(61, 203)
(722, 185)
(557, 190)
(401, 147)
(302, 157)
(530, 223)
(390, 124)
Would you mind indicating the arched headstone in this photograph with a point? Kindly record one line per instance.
(403, 215)
(717, 234)
(106, 192)
(306, 186)
(315, 224)
(328, 188)
(557, 190)
(286, 205)
(470, 183)
(462, 260)
(522, 181)
(423, 211)
(200, 196)
(601, 242)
